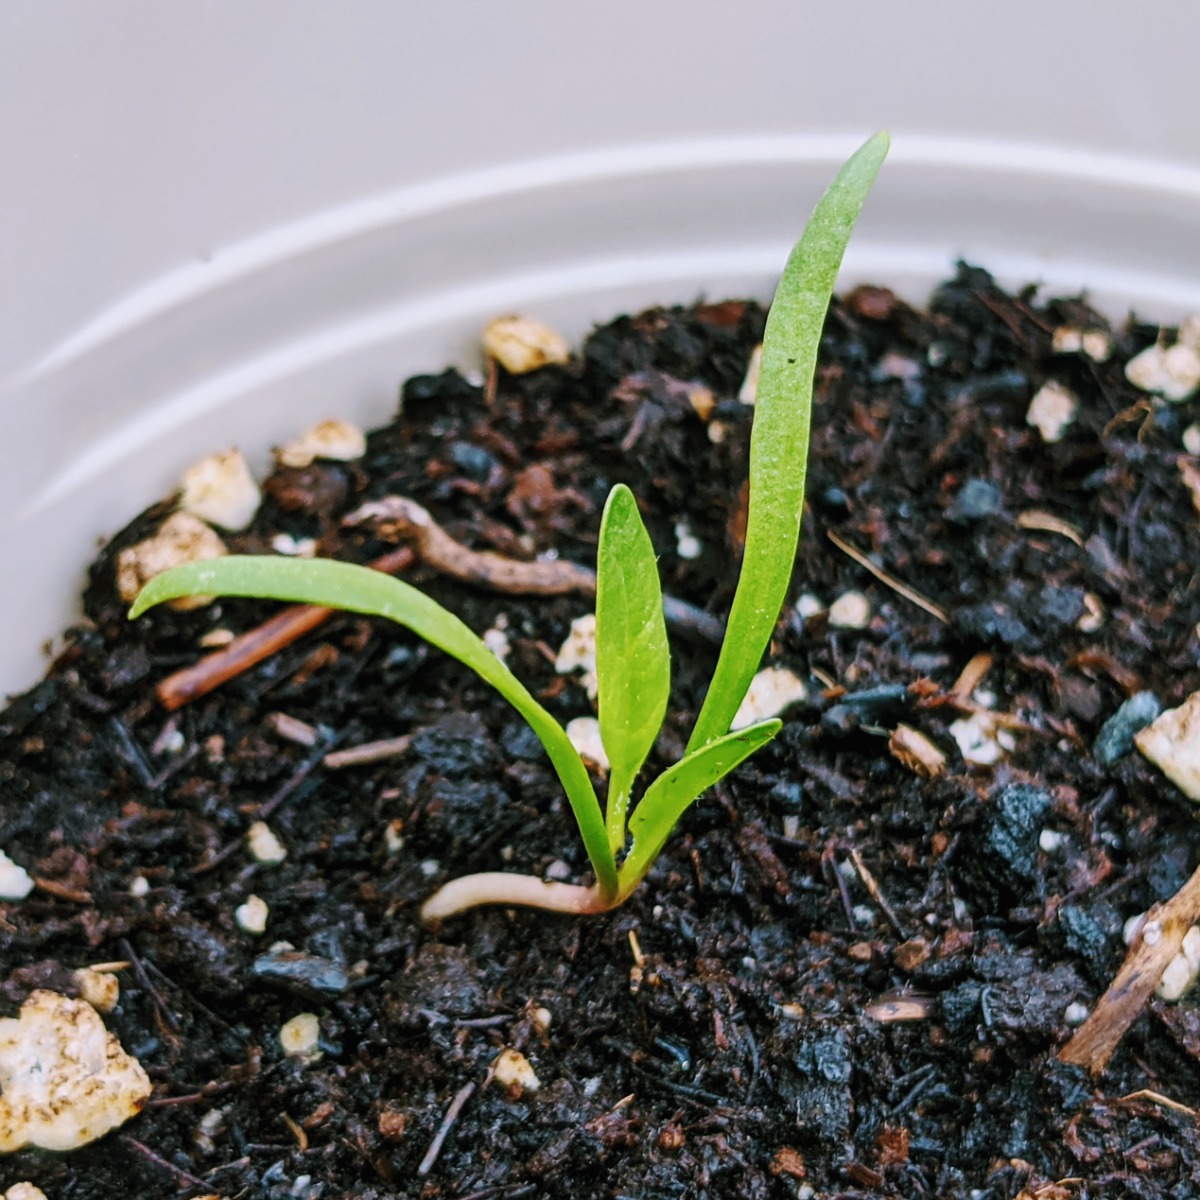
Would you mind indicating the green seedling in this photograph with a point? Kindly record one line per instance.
(632, 659)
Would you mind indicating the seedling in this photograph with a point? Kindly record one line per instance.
(632, 659)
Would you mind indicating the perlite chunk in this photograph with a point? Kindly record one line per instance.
(1172, 744)
(64, 1079)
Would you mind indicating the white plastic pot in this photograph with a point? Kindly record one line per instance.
(222, 221)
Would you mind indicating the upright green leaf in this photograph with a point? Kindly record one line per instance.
(359, 589)
(633, 663)
(779, 438)
(670, 795)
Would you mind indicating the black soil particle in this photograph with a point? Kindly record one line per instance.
(723, 1034)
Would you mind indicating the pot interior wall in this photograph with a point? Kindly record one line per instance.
(327, 316)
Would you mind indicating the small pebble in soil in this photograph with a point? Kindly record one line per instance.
(1051, 841)
(496, 640)
(1132, 927)
(578, 653)
(702, 401)
(101, 989)
(1005, 846)
(771, 692)
(748, 392)
(512, 1070)
(336, 440)
(64, 1079)
(1183, 970)
(1093, 613)
(1116, 735)
(1095, 344)
(1191, 439)
(807, 605)
(981, 741)
(687, 544)
(15, 881)
(211, 1126)
(301, 972)
(1173, 372)
(294, 547)
(977, 500)
(221, 490)
(251, 917)
(541, 1017)
(851, 610)
(393, 836)
(139, 886)
(1172, 743)
(1075, 1013)
(521, 344)
(182, 538)
(300, 1036)
(24, 1191)
(584, 734)
(264, 846)
(1052, 410)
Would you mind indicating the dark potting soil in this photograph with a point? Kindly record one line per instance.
(723, 1034)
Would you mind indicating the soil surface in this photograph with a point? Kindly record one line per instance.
(732, 1031)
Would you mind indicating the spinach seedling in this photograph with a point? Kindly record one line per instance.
(632, 658)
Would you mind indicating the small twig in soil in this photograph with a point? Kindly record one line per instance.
(143, 978)
(876, 892)
(970, 677)
(206, 1093)
(292, 729)
(889, 580)
(889, 1009)
(265, 810)
(249, 649)
(189, 1181)
(368, 752)
(61, 891)
(829, 864)
(400, 517)
(297, 1132)
(1159, 941)
(130, 753)
(1159, 1099)
(452, 1114)
(1045, 522)
(297, 777)
(509, 1190)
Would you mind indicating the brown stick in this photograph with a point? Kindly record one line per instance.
(252, 647)
(1159, 941)
(452, 1113)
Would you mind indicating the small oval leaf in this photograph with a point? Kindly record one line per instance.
(633, 663)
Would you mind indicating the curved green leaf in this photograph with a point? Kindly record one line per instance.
(671, 794)
(779, 437)
(633, 663)
(359, 589)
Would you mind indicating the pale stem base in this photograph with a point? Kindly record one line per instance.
(498, 887)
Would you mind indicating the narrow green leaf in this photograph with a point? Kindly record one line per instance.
(670, 795)
(633, 663)
(779, 437)
(359, 589)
